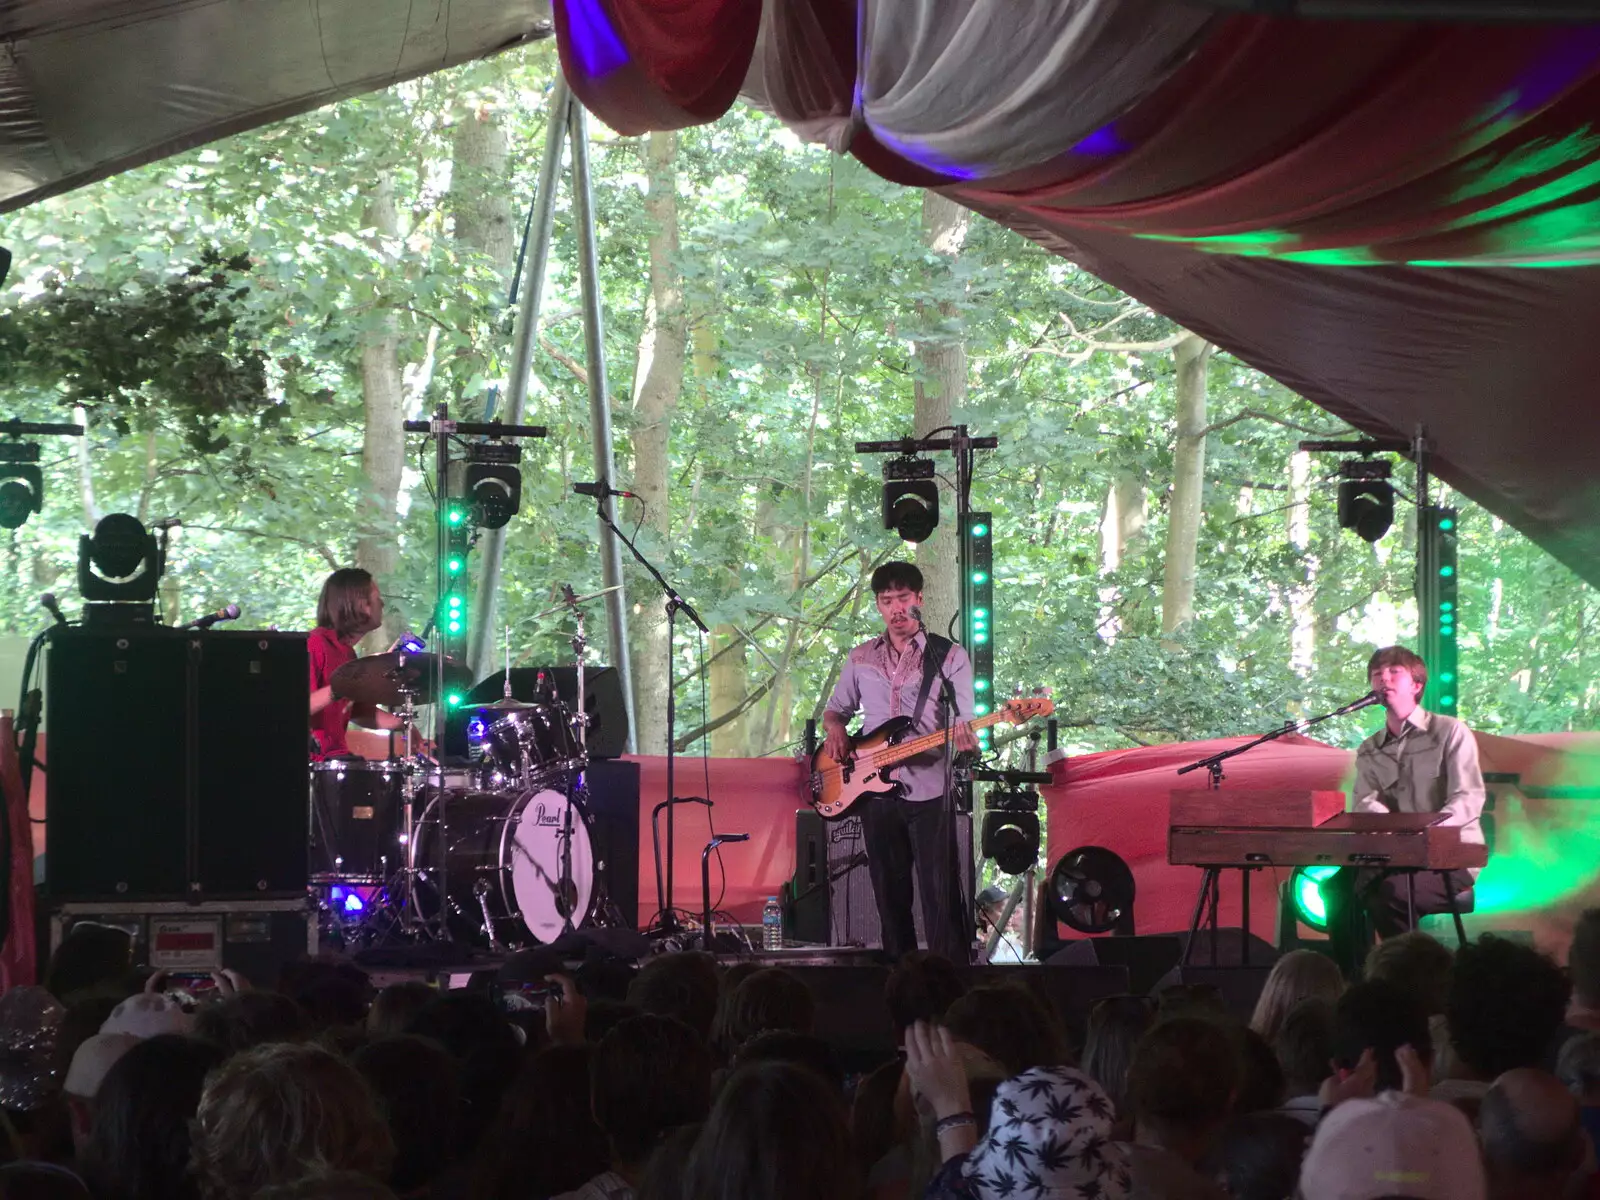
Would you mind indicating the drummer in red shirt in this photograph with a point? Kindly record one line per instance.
(349, 608)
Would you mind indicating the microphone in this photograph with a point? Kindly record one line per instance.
(167, 523)
(228, 613)
(53, 607)
(916, 614)
(600, 489)
(1366, 701)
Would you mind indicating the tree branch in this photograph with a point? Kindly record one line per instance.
(580, 372)
(327, 554)
(1253, 414)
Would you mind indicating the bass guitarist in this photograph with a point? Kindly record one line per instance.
(906, 671)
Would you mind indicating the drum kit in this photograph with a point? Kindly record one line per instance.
(495, 854)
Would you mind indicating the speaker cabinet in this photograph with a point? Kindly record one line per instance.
(613, 806)
(115, 765)
(176, 765)
(832, 881)
(251, 757)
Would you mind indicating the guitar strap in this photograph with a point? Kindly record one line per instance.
(933, 656)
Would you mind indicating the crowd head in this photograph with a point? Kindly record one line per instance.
(1438, 1075)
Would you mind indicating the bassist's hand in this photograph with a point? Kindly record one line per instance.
(837, 744)
(965, 739)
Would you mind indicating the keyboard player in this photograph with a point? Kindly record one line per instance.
(1418, 762)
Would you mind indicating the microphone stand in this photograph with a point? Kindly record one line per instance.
(1214, 763)
(674, 604)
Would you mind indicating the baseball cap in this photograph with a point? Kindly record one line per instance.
(146, 1015)
(1394, 1144)
(93, 1059)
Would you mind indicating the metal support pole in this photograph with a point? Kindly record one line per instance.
(599, 400)
(524, 333)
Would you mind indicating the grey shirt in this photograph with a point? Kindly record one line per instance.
(881, 684)
(1431, 765)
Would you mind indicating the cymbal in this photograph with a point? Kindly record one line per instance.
(505, 704)
(566, 604)
(386, 678)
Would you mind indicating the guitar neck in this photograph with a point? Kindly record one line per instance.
(890, 755)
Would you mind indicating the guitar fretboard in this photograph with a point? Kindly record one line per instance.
(890, 755)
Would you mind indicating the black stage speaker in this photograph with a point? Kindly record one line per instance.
(176, 765)
(832, 901)
(1240, 987)
(117, 821)
(613, 806)
(602, 698)
(251, 811)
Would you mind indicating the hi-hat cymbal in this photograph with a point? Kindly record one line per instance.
(390, 678)
(505, 704)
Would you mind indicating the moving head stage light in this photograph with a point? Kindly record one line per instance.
(910, 498)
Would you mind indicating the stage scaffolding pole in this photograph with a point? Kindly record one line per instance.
(524, 337)
(599, 402)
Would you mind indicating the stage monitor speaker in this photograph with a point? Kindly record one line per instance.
(250, 820)
(117, 822)
(602, 698)
(839, 874)
(1240, 987)
(1146, 958)
(613, 807)
(1229, 949)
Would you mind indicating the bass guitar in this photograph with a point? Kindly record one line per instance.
(836, 786)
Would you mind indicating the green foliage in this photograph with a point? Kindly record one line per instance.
(806, 281)
(181, 343)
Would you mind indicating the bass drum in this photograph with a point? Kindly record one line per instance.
(503, 865)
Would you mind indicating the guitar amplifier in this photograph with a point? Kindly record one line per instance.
(832, 893)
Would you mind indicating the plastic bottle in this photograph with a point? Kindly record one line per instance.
(772, 925)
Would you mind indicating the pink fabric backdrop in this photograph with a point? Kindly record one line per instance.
(757, 796)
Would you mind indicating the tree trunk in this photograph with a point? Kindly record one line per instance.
(940, 366)
(1123, 521)
(1191, 355)
(658, 380)
(1302, 593)
(91, 508)
(729, 687)
(480, 201)
(383, 442)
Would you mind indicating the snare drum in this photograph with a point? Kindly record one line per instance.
(531, 745)
(503, 865)
(355, 811)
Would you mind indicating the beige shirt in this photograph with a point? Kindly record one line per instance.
(1431, 765)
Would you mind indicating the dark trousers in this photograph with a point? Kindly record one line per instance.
(903, 835)
(1358, 897)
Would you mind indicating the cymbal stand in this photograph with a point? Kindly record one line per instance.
(401, 894)
(566, 888)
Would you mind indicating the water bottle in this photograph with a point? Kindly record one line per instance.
(772, 925)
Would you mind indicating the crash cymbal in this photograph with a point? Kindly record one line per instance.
(388, 678)
(566, 604)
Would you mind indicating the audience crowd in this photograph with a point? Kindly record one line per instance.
(1465, 1075)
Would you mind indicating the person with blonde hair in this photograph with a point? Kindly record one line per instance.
(280, 1113)
(1298, 975)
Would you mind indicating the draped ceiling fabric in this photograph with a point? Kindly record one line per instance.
(1399, 221)
(94, 87)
